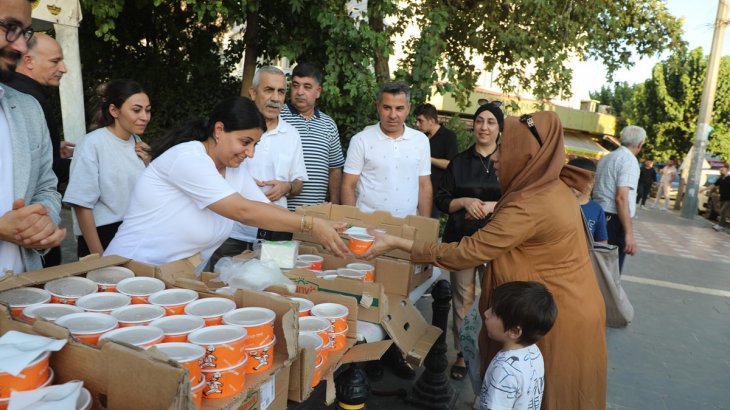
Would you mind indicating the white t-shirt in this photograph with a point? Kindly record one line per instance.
(168, 218)
(619, 168)
(668, 174)
(104, 170)
(515, 379)
(389, 169)
(10, 259)
(278, 156)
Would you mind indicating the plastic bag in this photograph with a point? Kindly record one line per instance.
(251, 274)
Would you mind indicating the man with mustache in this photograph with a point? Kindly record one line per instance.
(29, 202)
(320, 138)
(388, 165)
(40, 67)
(277, 165)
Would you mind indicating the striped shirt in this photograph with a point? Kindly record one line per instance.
(322, 152)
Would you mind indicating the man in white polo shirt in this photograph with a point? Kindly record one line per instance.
(388, 165)
(277, 165)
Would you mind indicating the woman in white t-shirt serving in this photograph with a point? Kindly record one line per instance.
(186, 201)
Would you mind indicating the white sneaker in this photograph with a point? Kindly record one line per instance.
(663, 209)
(643, 207)
(717, 227)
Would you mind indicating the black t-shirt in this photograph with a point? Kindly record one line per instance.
(443, 146)
(724, 185)
(647, 176)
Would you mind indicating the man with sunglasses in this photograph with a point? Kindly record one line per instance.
(29, 202)
(617, 177)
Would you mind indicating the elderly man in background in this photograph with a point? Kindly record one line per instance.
(617, 177)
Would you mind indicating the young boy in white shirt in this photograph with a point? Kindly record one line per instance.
(520, 314)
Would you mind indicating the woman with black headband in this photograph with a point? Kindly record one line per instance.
(469, 191)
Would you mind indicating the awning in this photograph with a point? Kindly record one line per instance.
(583, 147)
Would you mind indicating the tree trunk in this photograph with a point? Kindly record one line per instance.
(382, 70)
(252, 52)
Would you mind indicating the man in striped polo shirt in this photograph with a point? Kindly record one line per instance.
(320, 139)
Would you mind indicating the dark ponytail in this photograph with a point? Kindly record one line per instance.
(236, 113)
(114, 92)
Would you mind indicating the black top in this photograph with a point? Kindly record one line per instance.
(647, 176)
(466, 176)
(29, 86)
(723, 184)
(443, 146)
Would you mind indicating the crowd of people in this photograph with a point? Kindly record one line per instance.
(215, 185)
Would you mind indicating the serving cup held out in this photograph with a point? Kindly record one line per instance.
(189, 356)
(225, 346)
(107, 278)
(137, 315)
(258, 322)
(88, 326)
(140, 336)
(21, 298)
(139, 288)
(68, 290)
(103, 302)
(360, 243)
(304, 306)
(173, 300)
(178, 327)
(210, 309)
(49, 311)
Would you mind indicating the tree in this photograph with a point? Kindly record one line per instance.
(667, 105)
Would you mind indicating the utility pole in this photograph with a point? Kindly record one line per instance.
(689, 204)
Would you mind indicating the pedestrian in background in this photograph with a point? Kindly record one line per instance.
(647, 177)
(668, 173)
(723, 184)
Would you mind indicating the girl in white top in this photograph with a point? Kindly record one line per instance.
(185, 202)
(107, 163)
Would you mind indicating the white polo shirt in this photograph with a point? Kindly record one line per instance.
(389, 169)
(619, 168)
(278, 156)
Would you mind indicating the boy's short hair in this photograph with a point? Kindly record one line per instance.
(528, 305)
(428, 111)
(584, 163)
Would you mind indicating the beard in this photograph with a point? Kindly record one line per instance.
(7, 70)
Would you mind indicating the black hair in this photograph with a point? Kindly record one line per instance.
(394, 88)
(307, 70)
(528, 305)
(427, 110)
(114, 92)
(584, 163)
(236, 113)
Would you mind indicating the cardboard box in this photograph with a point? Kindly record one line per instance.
(398, 276)
(106, 371)
(399, 317)
(155, 377)
(302, 369)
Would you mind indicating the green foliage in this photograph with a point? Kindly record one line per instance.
(668, 104)
(464, 135)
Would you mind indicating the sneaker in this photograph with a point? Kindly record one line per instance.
(717, 227)
(663, 209)
(643, 207)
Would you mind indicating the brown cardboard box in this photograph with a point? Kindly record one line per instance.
(154, 377)
(302, 369)
(398, 275)
(105, 371)
(399, 317)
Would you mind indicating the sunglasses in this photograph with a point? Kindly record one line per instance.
(530, 122)
(13, 31)
(495, 103)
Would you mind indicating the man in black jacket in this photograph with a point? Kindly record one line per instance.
(42, 66)
(723, 184)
